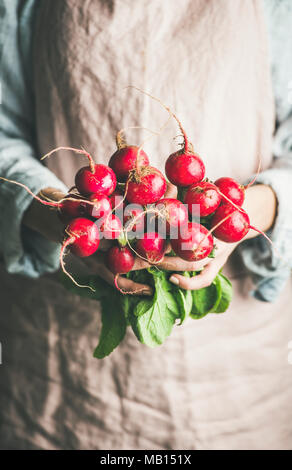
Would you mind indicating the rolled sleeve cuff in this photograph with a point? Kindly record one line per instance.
(271, 268)
(24, 250)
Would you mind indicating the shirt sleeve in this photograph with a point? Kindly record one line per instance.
(272, 268)
(24, 251)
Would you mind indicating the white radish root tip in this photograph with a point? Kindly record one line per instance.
(68, 242)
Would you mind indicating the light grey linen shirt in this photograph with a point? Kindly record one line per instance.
(26, 252)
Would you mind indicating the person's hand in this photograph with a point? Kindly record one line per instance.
(208, 267)
(97, 266)
(96, 263)
(261, 206)
(45, 220)
(260, 203)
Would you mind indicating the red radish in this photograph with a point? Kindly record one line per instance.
(111, 227)
(145, 186)
(151, 247)
(126, 159)
(99, 179)
(202, 199)
(83, 237)
(183, 168)
(119, 260)
(193, 243)
(134, 218)
(101, 207)
(173, 212)
(229, 224)
(230, 188)
(95, 178)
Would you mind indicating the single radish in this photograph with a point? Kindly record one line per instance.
(94, 178)
(134, 218)
(183, 167)
(232, 190)
(193, 243)
(145, 186)
(151, 247)
(173, 213)
(101, 206)
(125, 159)
(98, 179)
(119, 260)
(229, 224)
(110, 226)
(202, 199)
(82, 238)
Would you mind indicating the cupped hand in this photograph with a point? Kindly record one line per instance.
(96, 263)
(208, 267)
(97, 266)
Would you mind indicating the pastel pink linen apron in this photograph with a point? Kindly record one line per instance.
(223, 382)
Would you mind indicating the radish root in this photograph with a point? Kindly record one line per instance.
(186, 144)
(72, 149)
(121, 140)
(46, 203)
(68, 242)
(256, 175)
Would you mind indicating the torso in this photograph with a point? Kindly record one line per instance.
(223, 381)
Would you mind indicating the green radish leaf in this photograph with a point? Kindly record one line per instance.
(206, 221)
(128, 303)
(113, 326)
(181, 193)
(142, 307)
(153, 321)
(213, 252)
(205, 300)
(226, 294)
(184, 300)
(171, 253)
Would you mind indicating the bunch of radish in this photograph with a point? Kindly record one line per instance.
(119, 200)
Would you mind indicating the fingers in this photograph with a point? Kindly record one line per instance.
(126, 285)
(140, 264)
(131, 287)
(96, 265)
(171, 191)
(174, 263)
(204, 279)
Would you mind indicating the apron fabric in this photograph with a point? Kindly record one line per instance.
(223, 382)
